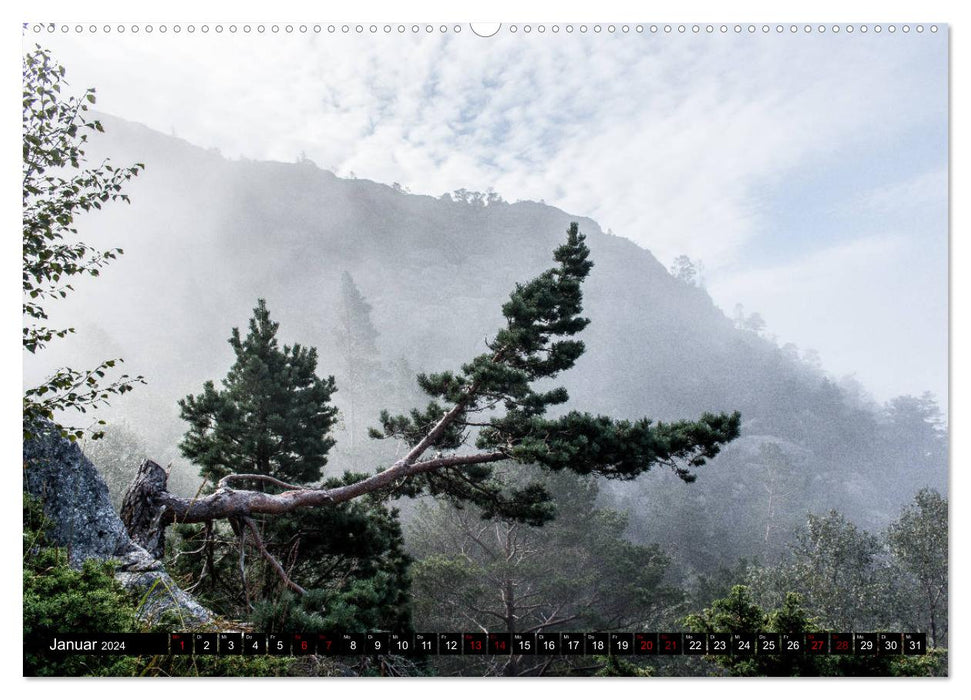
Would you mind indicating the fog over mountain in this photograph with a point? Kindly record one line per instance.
(205, 237)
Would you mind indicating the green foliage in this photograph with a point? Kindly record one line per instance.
(350, 557)
(618, 666)
(718, 583)
(364, 534)
(933, 663)
(850, 580)
(838, 568)
(358, 606)
(60, 599)
(735, 613)
(738, 612)
(55, 191)
(272, 416)
(352, 562)
(536, 345)
(845, 582)
(220, 666)
(620, 449)
(918, 544)
(841, 572)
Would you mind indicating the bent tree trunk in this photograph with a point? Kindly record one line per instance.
(148, 507)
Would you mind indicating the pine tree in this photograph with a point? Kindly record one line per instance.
(357, 340)
(352, 561)
(273, 418)
(273, 415)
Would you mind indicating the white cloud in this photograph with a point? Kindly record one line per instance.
(668, 140)
(864, 305)
(664, 139)
(928, 189)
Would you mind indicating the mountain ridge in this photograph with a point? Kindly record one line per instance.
(206, 236)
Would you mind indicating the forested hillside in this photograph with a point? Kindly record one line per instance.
(205, 237)
(385, 284)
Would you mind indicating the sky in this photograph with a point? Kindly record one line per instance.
(807, 172)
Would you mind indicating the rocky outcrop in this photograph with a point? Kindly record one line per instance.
(83, 522)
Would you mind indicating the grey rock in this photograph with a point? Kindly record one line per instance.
(76, 501)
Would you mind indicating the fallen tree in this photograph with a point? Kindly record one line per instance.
(490, 411)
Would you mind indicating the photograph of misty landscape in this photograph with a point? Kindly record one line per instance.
(396, 350)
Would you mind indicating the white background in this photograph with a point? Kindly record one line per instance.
(829, 11)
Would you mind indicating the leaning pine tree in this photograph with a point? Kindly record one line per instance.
(489, 411)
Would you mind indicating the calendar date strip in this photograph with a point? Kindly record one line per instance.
(480, 643)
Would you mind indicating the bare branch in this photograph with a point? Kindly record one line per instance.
(552, 622)
(482, 611)
(258, 541)
(242, 567)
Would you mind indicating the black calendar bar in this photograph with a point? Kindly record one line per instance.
(475, 644)
(401, 644)
(548, 643)
(571, 643)
(767, 643)
(694, 643)
(205, 644)
(277, 644)
(915, 643)
(482, 644)
(670, 643)
(426, 643)
(302, 644)
(328, 644)
(75, 643)
(865, 643)
(645, 643)
(230, 643)
(817, 643)
(840, 643)
(254, 644)
(524, 643)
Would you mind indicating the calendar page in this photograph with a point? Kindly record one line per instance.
(516, 349)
